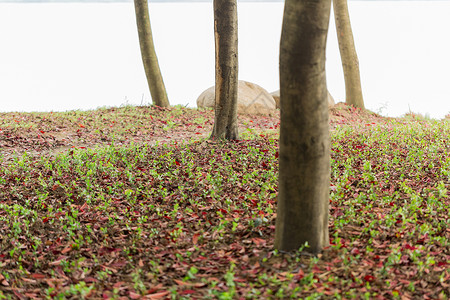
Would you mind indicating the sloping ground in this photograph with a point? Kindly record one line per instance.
(342, 114)
(58, 131)
(97, 211)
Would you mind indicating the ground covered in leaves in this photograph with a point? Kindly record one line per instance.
(137, 203)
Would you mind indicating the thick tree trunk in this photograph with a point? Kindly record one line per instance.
(302, 213)
(226, 45)
(349, 58)
(151, 66)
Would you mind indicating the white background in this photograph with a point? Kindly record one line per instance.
(82, 56)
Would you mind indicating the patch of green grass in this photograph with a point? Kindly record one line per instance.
(197, 219)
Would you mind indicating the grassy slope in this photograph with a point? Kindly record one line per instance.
(92, 206)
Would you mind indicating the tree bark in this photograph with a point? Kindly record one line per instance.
(226, 88)
(149, 58)
(349, 58)
(303, 198)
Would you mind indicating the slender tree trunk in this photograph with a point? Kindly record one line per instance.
(349, 58)
(302, 213)
(226, 45)
(151, 66)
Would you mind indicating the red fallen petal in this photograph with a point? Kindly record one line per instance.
(134, 295)
(259, 242)
(180, 282)
(66, 250)
(187, 292)
(159, 295)
(299, 275)
(369, 278)
(409, 247)
(118, 284)
(355, 251)
(154, 289)
(37, 276)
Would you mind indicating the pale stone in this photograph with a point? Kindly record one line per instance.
(276, 97)
(252, 99)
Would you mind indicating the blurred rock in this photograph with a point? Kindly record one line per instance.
(252, 99)
(276, 97)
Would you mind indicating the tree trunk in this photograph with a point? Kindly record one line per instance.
(151, 66)
(226, 88)
(303, 198)
(349, 58)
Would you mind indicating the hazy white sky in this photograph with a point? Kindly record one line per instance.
(79, 56)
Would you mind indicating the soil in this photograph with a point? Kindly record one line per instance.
(54, 132)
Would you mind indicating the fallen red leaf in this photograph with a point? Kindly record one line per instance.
(259, 242)
(180, 282)
(159, 295)
(187, 292)
(65, 250)
(134, 295)
(409, 247)
(195, 238)
(355, 251)
(37, 276)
